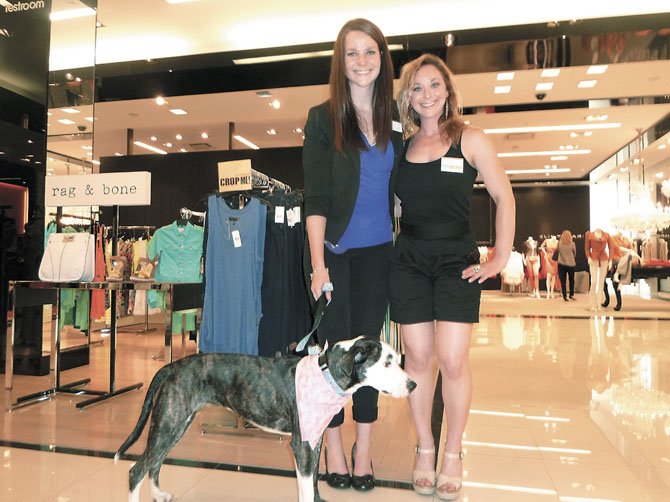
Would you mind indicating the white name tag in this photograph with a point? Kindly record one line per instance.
(451, 165)
(395, 125)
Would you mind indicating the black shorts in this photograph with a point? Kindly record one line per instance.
(426, 284)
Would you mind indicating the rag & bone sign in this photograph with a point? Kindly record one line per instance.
(108, 189)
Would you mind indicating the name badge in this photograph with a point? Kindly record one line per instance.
(451, 165)
(395, 125)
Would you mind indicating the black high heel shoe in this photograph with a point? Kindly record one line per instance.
(334, 479)
(363, 483)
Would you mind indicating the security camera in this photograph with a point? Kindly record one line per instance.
(81, 128)
(540, 96)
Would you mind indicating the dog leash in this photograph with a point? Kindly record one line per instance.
(320, 309)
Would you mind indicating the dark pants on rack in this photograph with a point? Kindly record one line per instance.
(569, 272)
(357, 307)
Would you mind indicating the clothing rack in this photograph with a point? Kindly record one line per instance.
(260, 180)
(187, 214)
(143, 327)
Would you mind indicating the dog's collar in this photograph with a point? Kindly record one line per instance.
(323, 366)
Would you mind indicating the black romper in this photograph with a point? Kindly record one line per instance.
(425, 281)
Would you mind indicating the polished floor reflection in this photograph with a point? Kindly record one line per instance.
(568, 405)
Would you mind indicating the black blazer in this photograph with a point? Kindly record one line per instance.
(331, 179)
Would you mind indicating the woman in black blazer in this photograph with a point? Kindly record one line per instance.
(349, 158)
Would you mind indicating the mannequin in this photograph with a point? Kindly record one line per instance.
(530, 253)
(550, 245)
(620, 246)
(597, 246)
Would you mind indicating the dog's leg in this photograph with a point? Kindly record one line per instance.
(134, 494)
(306, 469)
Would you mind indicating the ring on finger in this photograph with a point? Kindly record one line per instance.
(476, 268)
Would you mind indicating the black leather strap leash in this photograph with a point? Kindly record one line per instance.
(319, 310)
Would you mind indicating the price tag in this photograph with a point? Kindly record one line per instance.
(279, 214)
(290, 217)
(237, 240)
(296, 214)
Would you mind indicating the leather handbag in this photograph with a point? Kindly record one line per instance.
(68, 258)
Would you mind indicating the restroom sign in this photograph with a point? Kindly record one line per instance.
(235, 175)
(108, 189)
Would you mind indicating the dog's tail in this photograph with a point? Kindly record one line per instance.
(156, 382)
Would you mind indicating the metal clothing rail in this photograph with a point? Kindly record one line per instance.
(260, 180)
(178, 296)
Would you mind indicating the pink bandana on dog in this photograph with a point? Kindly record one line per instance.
(318, 402)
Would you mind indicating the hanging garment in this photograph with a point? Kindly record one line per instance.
(179, 251)
(233, 275)
(284, 295)
(98, 295)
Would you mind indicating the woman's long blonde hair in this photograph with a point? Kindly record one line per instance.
(566, 237)
(451, 125)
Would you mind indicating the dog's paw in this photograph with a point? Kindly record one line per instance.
(160, 496)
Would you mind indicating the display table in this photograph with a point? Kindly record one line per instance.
(178, 296)
(659, 272)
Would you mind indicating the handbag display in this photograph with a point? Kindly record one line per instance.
(68, 258)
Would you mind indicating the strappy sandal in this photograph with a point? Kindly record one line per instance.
(118, 266)
(418, 475)
(449, 487)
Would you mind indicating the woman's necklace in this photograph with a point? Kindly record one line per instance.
(365, 123)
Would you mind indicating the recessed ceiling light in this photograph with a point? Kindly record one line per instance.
(160, 100)
(623, 169)
(86, 147)
(573, 134)
(118, 154)
(544, 86)
(567, 127)
(182, 150)
(659, 174)
(153, 138)
(150, 148)
(96, 162)
(597, 69)
(49, 114)
(204, 135)
(178, 111)
(550, 72)
(505, 75)
(271, 132)
(275, 103)
(596, 118)
(297, 130)
(662, 146)
(67, 121)
(246, 142)
(179, 137)
(543, 153)
(70, 110)
(588, 133)
(583, 84)
(90, 119)
(168, 145)
(263, 94)
(503, 89)
(537, 171)
(559, 157)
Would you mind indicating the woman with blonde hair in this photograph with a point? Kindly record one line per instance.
(436, 277)
(566, 263)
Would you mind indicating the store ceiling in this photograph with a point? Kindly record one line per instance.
(253, 116)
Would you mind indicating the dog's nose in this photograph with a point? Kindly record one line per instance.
(411, 385)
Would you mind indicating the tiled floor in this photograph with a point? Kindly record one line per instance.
(568, 405)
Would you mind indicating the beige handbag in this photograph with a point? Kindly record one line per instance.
(68, 258)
